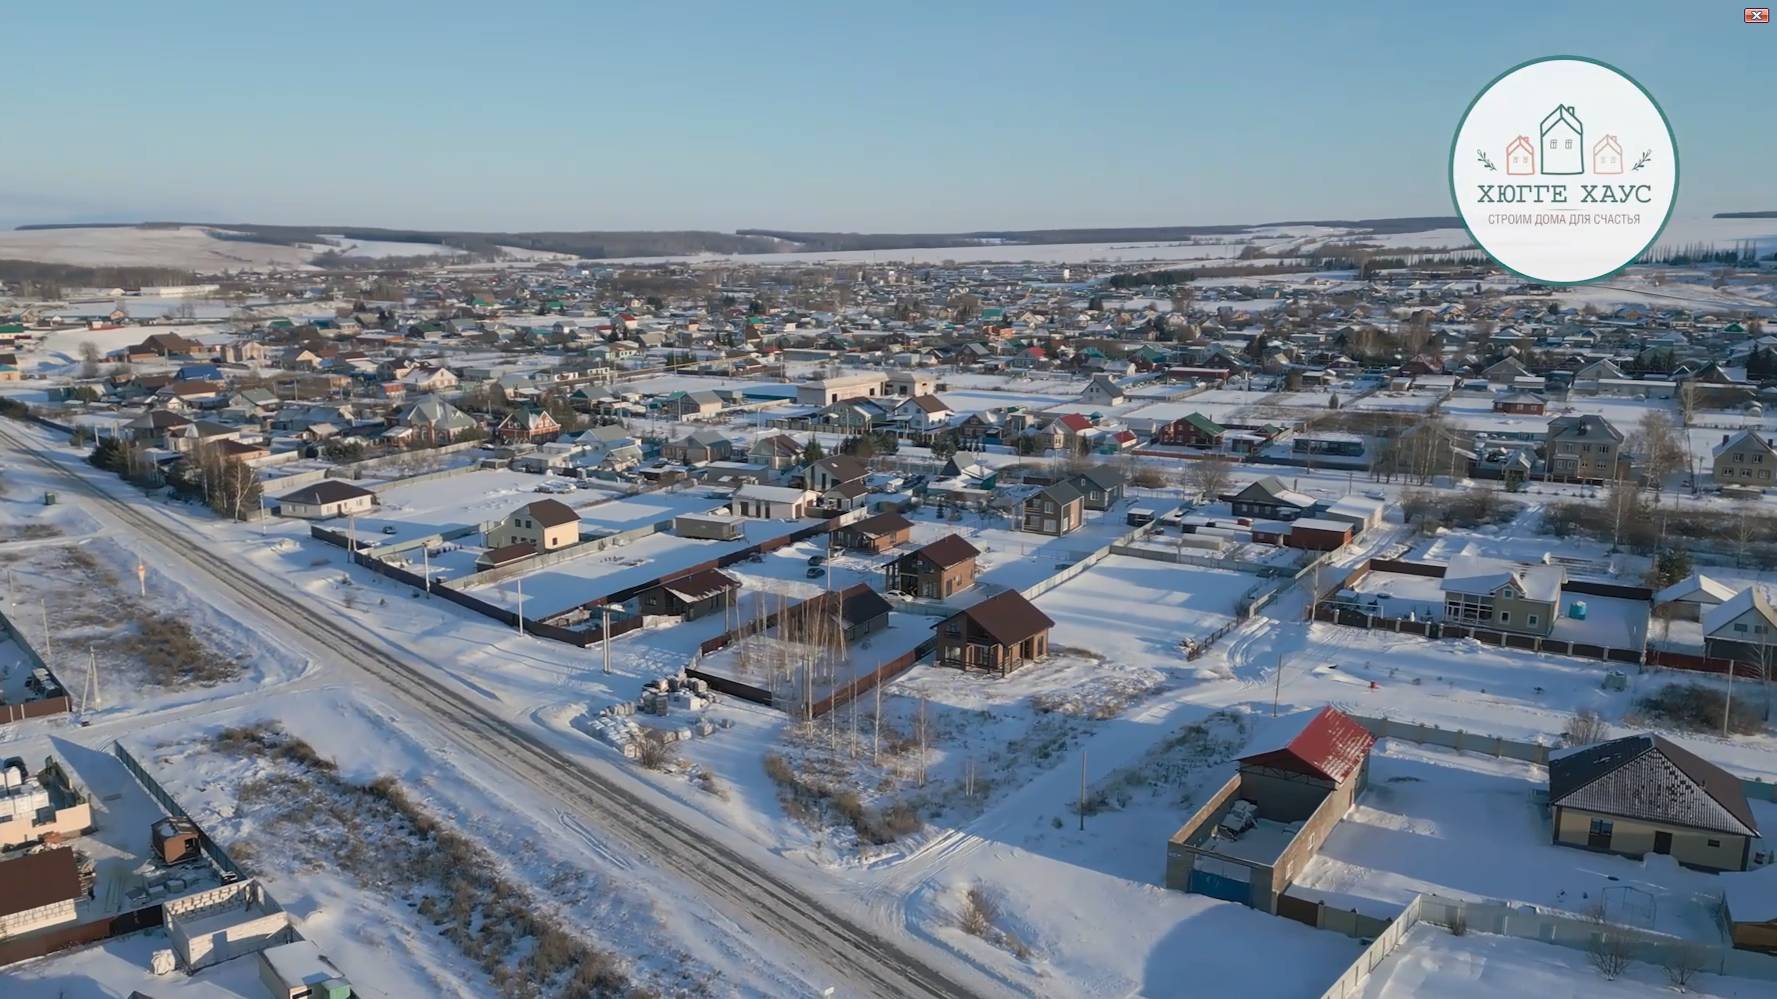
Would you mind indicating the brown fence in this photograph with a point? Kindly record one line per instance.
(63, 937)
(1299, 909)
(864, 684)
(1701, 664)
(732, 687)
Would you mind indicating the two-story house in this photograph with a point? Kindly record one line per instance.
(1054, 509)
(545, 525)
(1583, 448)
(1744, 460)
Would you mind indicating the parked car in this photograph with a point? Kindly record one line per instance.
(817, 560)
(1241, 817)
(816, 571)
(388, 528)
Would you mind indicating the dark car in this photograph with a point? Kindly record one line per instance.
(817, 560)
(816, 571)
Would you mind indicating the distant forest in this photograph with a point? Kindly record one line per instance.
(1746, 215)
(48, 281)
(595, 245)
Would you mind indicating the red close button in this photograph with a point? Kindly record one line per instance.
(1758, 15)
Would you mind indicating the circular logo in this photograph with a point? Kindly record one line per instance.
(1564, 170)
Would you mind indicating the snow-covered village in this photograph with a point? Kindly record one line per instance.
(1333, 609)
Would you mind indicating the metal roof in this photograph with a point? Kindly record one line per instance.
(1329, 745)
(1649, 777)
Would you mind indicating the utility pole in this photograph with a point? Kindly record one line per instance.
(142, 577)
(48, 650)
(1277, 688)
(520, 581)
(605, 636)
(92, 674)
(426, 560)
(1727, 710)
(1082, 790)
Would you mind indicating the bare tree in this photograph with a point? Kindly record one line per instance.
(1681, 962)
(1657, 445)
(1208, 477)
(89, 359)
(1610, 950)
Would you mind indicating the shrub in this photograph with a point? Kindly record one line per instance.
(1694, 706)
(1584, 728)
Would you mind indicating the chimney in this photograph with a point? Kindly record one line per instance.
(1724, 438)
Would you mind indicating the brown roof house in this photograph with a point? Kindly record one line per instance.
(876, 534)
(938, 570)
(1644, 794)
(545, 525)
(1057, 509)
(690, 596)
(1250, 839)
(37, 890)
(999, 634)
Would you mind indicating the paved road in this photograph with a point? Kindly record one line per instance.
(740, 888)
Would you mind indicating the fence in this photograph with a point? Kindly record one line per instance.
(1457, 739)
(64, 937)
(881, 674)
(217, 856)
(42, 707)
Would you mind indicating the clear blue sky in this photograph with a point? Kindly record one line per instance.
(897, 116)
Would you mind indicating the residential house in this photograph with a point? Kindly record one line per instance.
(1195, 430)
(1644, 794)
(924, 413)
(1742, 628)
(773, 502)
(1102, 486)
(690, 596)
(999, 634)
(38, 890)
(1055, 509)
(833, 470)
(1520, 403)
(1269, 499)
(1485, 593)
(1102, 390)
(699, 447)
(776, 452)
(934, 571)
(545, 525)
(326, 499)
(435, 421)
(875, 534)
(1687, 599)
(1583, 448)
(526, 425)
(1744, 460)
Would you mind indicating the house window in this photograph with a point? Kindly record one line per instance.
(1713, 842)
(1600, 827)
(1531, 621)
(1505, 617)
(953, 629)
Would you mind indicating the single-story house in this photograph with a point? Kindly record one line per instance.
(1644, 794)
(325, 499)
(934, 571)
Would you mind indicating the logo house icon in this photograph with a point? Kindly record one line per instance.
(1607, 155)
(1521, 157)
(1563, 142)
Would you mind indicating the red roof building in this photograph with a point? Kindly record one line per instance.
(1329, 746)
